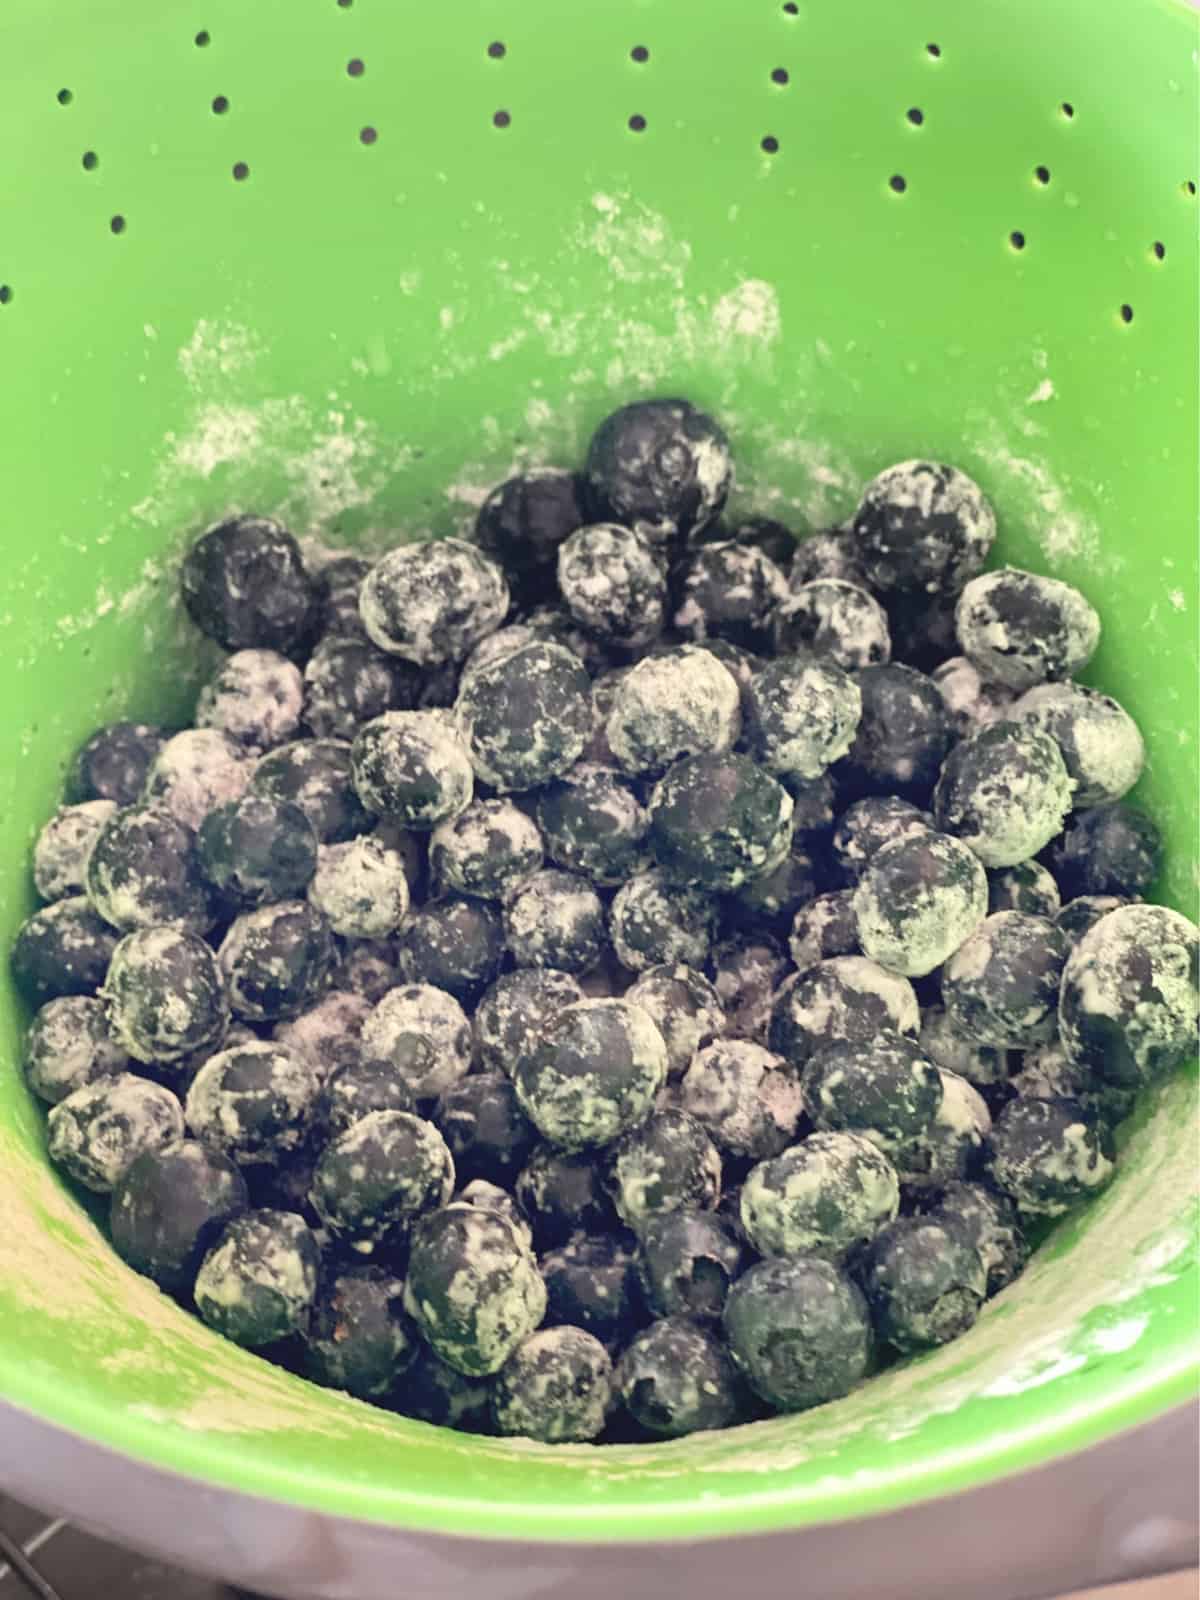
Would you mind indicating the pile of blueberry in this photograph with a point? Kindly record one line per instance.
(623, 975)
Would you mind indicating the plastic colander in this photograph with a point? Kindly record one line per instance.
(351, 261)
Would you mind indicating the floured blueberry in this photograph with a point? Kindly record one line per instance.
(431, 601)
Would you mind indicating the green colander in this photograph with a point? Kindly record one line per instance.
(350, 262)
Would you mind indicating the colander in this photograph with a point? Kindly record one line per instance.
(351, 262)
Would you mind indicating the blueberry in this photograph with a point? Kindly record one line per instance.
(919, 899)
(822, 1197)
(484, 1127)
(612, 584)
(846, 997)
(373, 1180)
(277, 961)
(165, 994)
(63, 949)
(245, 586)
(253, 1102)
(145, 869)
(68, 1045)
(316, 775)
(413, 767)
(422, 1036)
(688, 1261)
(720, 822)
(525, 717)
(1100, 742)
(988, 1221)
(430, 602)
(1001, 986)
(922, 527)
(473, 1288)
(947, 1047)
(64, 847)
(169, 1207)
(1079, 915)
(593, 1074)
(486, 850)
(884, 1089)
(746, 971)
(866, 826)
(564, 1193)
(1026, 887)
(339, 583)
(901, 740)
(256, 849)
(756, 533)
(556, 1386)
(799, 1331)
(922, 629)
(433, 1392)
(112, 764)
(258, 1282)
(749, 1099)
(1047, 1155)
(523, 522)
(604, 694)
(592, 822)
(675, 1378)
(359, 1337)
(924, 1281)
(511, 1015)
(1048, 1073)
(684, 1007)
(360, 887)
(826, 555)
(970, 701)
(1021, 628)
(98, 1131)
(555, 919)
(1004, 791)
(456, 944)
(1111, 850)
(347, 682)
(667, 1164)
(1129, 1003)
(953, 1145)
(287, 1187)
(824, 928)
(491, 1197)
(193, 772)
(366, 968)
(592, 1283)
(803, 715)
(730, 591)
(660, 466)
(681, 702)
(742, 665)
(255, 699)
(354, 1090)
(556, 624)
(653, 922)
(836, 620)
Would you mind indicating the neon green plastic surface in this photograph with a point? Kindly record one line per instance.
(361, 334)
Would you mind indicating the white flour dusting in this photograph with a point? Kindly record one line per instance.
(1030, 489)
(216, 351)
(222, 434)
(749, 311)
